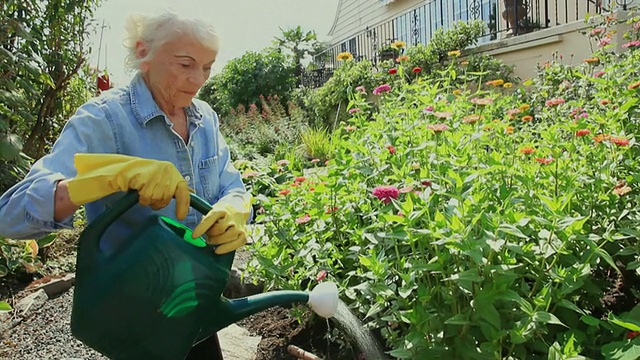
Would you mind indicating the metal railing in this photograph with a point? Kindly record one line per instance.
(503, 18)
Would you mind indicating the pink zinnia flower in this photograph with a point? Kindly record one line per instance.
(303, 219)
(382, 89)
(598, 74)
(354, 110)
(321, 275)
(437, 127)
(386, 193)
(283, 162)
(554, 102)
(361, 89)
(313, 161)
(631, 44)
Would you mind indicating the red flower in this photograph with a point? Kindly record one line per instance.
(331, 209)
(392, 149)
(386, 193)
(632, 334)
(583, 132)
(300, 179)
(417, 69)
(545, 161)
(393, 71)
(284, 192)
(620, 141)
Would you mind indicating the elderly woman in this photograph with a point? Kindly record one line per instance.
(151, 136)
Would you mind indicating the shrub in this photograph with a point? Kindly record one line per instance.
(243, 80)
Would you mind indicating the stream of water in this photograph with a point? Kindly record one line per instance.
(356, 331)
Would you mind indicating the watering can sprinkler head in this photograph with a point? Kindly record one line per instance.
(323, 299)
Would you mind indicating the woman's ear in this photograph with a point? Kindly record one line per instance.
(141, 53)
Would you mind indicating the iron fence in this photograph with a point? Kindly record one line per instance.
(503, 18)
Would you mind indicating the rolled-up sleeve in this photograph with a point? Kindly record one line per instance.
(27, 208)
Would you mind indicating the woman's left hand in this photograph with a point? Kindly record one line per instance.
(226, 223)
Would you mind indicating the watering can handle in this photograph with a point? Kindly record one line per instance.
(127, 201)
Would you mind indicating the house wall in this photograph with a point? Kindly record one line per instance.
(353, 16)
(527, 51)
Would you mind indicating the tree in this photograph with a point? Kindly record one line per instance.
(42, 50)
(42, 58)
(299, 43)
(244, 79)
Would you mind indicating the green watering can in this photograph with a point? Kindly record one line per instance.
(160, 292)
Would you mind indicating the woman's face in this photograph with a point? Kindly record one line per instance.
(178, 70)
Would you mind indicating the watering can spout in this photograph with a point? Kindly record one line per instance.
(323, 299)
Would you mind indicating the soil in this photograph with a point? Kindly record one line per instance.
(279, 328)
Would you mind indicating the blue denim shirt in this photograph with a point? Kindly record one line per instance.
(123, 121)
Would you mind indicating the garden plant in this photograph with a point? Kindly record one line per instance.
(475, 221)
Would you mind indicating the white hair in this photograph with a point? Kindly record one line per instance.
(155, 30)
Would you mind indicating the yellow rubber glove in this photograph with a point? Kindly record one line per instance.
(157, 182)
(226, 223)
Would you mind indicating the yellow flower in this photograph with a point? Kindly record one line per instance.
(524, 107)
(402, 58)
(507, 85)
(498, 82)
(454, 53)
(344, 56)
(457, 92)
(398, 44)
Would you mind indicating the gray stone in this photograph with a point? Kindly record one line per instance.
(57, 286)
(31, 303)
(237, 343)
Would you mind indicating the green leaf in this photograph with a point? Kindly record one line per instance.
(569, 305)
(606, 257)
(590, 320)
(4, 306)
(401, 354)
(629, 324)
(548, 318)
(628, 104)
(47, 240)
(512, 230)
(621, 350)
(376, 308)
(458, 319)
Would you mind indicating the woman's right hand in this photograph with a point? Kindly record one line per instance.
(157, 182)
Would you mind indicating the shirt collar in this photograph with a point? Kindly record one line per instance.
(145, 108)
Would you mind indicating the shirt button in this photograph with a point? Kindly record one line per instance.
(187, 177)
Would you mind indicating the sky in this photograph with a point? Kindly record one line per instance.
(244, 25)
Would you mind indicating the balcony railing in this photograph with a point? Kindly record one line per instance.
(503, 18)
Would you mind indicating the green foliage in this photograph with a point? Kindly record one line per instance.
(42, 54)
(255, 133)
(477, 224)
(328, 103)
(317, 144)
(243, 80)
(18, 256)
